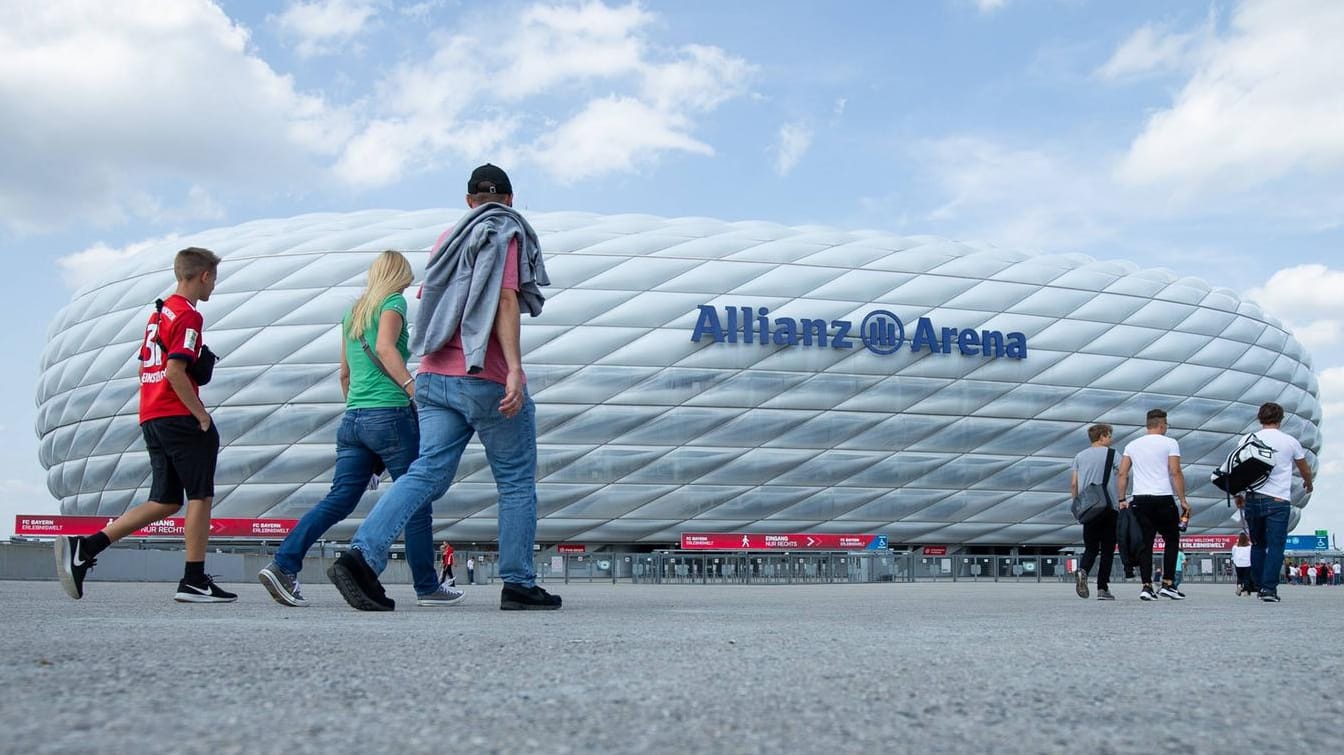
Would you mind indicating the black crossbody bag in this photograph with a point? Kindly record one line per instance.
(201, 369)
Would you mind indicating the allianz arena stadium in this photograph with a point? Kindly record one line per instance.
(698, 375)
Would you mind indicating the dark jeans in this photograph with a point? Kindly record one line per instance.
(364, 437)
(1267, 521)
(1099, 539)
(1157, 515)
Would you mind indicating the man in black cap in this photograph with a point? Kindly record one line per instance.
(481, 276)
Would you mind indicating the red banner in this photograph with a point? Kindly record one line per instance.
(1200, 543)
(740, 541)
(571, 548)
(935, 550)
(36, 525)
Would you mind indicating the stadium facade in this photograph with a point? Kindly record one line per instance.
(698, 375)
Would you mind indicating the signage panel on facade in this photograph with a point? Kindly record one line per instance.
(571, 548)
(743, 541)
(38, 525)
(935, 550)
(1317, 542)
(1200, 543)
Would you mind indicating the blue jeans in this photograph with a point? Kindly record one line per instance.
(452, 409)
(1267, 520)
(364, 437)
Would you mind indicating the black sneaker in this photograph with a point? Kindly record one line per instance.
(357, 583)
(1080, 583)
(202, 592)
(1269, 596)
(1170, 591)
(516, 597)
(72, 564)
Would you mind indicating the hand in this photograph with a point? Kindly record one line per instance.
(205, 423)
(1306, 486)
(1240, 501)
(513, 394)
(1123, 505)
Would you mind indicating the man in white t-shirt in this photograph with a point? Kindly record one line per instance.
(1155, 463)
(1267, 508)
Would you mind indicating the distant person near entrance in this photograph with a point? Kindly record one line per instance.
(180, 436)
(1090, 467)
(481, 276)
(1267, 509)
(378, 431)
(1154, 461)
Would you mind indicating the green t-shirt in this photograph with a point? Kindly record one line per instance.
(369, 387)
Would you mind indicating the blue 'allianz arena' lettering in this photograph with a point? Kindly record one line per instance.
(881, 332)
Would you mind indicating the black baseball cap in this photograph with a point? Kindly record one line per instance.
(489, 179)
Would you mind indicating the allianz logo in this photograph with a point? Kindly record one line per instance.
(881, 332)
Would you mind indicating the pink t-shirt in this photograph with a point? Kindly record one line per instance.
(450, 360)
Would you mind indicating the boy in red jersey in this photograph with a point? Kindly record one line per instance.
(179, 434)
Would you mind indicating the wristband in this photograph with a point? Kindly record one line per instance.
(408, 381)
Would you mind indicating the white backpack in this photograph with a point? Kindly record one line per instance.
(1246, 468)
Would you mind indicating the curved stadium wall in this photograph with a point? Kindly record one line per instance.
(947, 411)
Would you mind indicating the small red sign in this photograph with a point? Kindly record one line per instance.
(572, 548)
(1200, 543)
(742, 541)
(935, 550)
(35, 525)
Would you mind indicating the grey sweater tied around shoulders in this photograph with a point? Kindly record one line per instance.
(463, 278)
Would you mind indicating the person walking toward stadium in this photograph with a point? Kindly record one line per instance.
(1154, 461)
(481, 276)
(1241, 561)
(446, 573)
(378, 430)
(180, 436)
(1089, 467)
(1267, 508)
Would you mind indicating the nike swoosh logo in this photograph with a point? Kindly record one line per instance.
(201, 590)
(75, 559)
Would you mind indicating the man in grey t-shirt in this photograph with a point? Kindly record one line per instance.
(1089, 467)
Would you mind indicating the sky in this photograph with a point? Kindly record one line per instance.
(1204, 138)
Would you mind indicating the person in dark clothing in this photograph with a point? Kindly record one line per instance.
(1089, 467)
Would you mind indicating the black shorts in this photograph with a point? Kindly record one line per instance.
(182, 458)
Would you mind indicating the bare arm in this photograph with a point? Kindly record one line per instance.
(1122, 481)
(1305, 471)
(1178, 481)
(389, 331)
(177, 378)
(507, 329)
(344, 371)
(1073, 485)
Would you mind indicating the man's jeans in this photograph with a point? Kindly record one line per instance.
(452, 409)
(1267, 521)
(364, 437)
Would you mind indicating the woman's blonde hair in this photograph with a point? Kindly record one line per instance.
(389, 274)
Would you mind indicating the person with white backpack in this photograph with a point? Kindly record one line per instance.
(1267, 508)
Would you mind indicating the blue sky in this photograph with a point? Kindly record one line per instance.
(1204, 138)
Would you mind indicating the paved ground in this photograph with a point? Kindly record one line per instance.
(974, 668)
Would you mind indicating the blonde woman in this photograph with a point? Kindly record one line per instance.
(379, 427)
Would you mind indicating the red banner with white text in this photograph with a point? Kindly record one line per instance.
(43, 525)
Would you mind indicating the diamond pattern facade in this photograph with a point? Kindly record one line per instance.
(645, 433)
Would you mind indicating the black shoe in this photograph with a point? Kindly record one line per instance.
(1269, 596)
(357, 583)
(72, 564)
(516, 597)
(202, 592)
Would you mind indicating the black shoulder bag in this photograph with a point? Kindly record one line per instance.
(202, 369)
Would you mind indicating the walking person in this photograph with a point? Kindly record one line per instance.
(1241, 561)
(378, 430)
(180, 436)
(1267, 508)
(481, 276)
(1093, 465)
(471, 570)
(446, 556)
(1154, 461)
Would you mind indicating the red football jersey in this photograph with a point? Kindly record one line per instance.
(174, 333)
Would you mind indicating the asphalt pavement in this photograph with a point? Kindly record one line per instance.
(904, 668)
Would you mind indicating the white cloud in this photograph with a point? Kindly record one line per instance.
(793, 142)
(1263, 102)
(1153, 50)
(23, 497)
(1309, 299)
(108, 105)
(322, 27)
(91, 265)
(990, 6)
(470, 102)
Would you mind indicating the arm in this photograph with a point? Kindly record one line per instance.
(1122, 481)
(1178, 481)
(1305, 471)
(507, 329)
(389, 330)
(177, 378)
(1073, 485)
(345, 372)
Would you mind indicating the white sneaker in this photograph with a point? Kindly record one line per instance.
(1147, 594)
(1168, 591)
